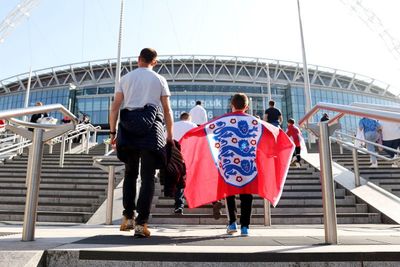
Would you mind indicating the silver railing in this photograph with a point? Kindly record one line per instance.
(355, 149)
(41, 134)
(323, 130)
(82, 131)
(109, 163)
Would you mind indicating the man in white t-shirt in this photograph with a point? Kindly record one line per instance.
(390, 136)
(198, 114)
(183, 126)
(138, 90)
(180, 128)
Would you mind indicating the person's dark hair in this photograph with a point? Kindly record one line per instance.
(271, 103)
(184, 116)
(291, 120)
(325, 115)
(240, 101)
(148, 55)
(198, 102)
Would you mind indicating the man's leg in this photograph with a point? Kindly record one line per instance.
(391, 144)
(297, 151)
(129, 190)
(179, 201)
(231, 204)
(246, 201)
(147, 173)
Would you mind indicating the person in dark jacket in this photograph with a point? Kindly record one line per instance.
(325, 117)
(140, 92)
(273, 115)
(36, 117)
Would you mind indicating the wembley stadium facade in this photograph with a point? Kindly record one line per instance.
(88, 87)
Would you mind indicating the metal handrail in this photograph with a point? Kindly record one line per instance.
(369, 142)
(327, 182)
(111, 169)
(38, 109)
(351, 110)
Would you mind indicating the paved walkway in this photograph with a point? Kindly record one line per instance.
(290, 242)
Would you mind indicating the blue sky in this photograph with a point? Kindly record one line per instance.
(61, 32)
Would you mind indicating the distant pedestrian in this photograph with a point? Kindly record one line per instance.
(35, 118)
(325, 117)
(198, 114)
(143, 96)
(391, 137)
(273, 115)
(370, 128)
(180, 128)
(295, 134)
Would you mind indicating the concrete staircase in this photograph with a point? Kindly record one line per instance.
(301, 203)
(384, 176)
(69, 194)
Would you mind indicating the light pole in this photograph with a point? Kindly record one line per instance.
(307, 90)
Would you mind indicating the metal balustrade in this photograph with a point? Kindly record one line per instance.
(41, 133)
(323, 130)
(110, 166)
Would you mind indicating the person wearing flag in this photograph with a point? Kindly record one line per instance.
(235, 154)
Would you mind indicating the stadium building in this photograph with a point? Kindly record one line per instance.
(88, 87)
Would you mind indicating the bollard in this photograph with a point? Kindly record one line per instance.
(33, 177)
(110, 194)
(357, 181)
(327, 184)
(267, 213)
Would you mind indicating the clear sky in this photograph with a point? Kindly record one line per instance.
(67, 31)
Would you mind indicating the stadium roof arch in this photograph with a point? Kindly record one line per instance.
(200, 68)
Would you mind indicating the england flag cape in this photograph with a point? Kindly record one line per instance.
(235, 154)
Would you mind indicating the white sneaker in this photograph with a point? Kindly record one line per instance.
(394, 165)
(297, 165)
(374, 165)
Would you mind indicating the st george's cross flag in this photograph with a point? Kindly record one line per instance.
(235, 154)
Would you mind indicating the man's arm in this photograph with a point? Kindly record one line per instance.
(168, 116)
(280, 119)
(265, 117)
(114, 111)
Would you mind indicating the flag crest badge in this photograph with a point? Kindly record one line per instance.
(233, 142)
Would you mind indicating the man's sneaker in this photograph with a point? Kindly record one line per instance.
(395, 165)
(374, 165)
(244, 231)
(298, 165)
(127, 224)
(141, 230)
(178, 211)
(232, 228)
(217, 206)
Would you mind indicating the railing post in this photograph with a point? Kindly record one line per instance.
(327, 184)
(87, 141)
(267, 213)
(107, 148)
(33, 176)
(110, 194)
(95, 136)
(356, 169)
(69, 145)
(62, 151)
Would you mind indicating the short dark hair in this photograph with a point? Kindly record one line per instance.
(291, 120)
(148, 55)
(198, 102)
(271, 103)
(184, 116)
(240, 101)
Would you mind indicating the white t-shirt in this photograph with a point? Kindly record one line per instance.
(182, 127)
(199, 115)
(390, 130)
(142, 86)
